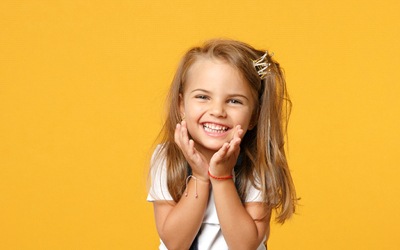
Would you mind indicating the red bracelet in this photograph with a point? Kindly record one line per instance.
(218, 177)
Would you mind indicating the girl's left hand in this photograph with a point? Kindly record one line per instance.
(224, 160)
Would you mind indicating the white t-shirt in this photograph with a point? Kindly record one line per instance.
(210, 237)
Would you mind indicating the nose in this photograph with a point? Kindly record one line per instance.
(217, 109)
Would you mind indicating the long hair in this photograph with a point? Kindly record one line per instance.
(263, 161)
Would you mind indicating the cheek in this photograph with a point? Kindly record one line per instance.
(245, 120)
(192, 110)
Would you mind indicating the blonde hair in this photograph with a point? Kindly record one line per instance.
(263, 160)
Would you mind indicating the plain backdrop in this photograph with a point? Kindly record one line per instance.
(82, 89)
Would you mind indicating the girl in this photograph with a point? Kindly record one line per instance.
(221, 167)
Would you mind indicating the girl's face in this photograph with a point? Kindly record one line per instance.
(214, 101)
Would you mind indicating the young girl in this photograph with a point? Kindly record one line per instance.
(221, 167)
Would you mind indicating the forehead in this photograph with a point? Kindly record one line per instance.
(206, 71)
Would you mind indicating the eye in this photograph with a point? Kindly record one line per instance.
(203, 97)
(235, 101)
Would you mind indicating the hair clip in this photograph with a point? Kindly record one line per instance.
(261, 65)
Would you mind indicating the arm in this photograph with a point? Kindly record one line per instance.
(243, 226)
(178, 223)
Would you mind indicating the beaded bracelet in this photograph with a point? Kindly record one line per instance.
(187, 186)
(219, 177)
(195, 185)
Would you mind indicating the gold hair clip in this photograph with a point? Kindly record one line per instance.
(261, 65)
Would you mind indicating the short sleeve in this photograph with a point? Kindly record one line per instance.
(158, 172)
(253, 194)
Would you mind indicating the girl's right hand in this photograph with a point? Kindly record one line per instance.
(196, 160)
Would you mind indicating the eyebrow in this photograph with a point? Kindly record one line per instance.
(202, 90)
(229, 95)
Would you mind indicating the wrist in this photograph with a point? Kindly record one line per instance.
(219, 178)
(201, 182)
(202, 177)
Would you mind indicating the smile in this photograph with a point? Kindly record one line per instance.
(214, 128)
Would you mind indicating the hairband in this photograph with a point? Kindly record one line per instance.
(261, 65)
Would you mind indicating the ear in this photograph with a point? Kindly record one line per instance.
(253, 121)
(251, 126)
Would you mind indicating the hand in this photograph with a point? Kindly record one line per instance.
(224, 160)
(196, 160)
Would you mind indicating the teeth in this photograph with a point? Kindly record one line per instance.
(209, 127)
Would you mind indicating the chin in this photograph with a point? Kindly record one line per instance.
(211, 146)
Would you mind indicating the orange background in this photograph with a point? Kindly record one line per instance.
(82, 85)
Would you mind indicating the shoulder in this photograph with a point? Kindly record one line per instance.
(158, 176)
(158, 161)
(254, 192)
(159, 151)
(158, 158)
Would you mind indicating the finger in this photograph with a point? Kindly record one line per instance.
(234, 146)
(184, 133)
(181, 140)
(237, 135)
(238, 132)
(187, 143)
(192, 149)
(221, 153)
(235, 142)
(177, 135)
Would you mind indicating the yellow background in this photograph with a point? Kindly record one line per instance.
(82, 85)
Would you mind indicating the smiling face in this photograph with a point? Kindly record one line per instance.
(215, 99)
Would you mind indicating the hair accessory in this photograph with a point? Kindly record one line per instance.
(187, 187)
(219, 177)
(261, 65)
